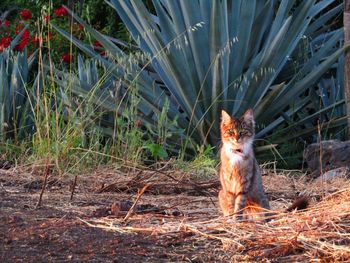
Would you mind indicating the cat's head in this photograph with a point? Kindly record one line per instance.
(238, 134)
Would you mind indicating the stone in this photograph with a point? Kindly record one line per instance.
(334, 154)
(335, 173)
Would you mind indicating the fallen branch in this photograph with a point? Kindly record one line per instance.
(139, 194)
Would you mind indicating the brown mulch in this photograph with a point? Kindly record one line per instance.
(175, 219)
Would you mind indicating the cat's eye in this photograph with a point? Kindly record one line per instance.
(231, 131)
(244, 126)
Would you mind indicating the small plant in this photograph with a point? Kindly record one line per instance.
(157, 150)
(163, 133)
(204, 165)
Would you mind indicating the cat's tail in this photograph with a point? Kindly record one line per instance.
(300, 203)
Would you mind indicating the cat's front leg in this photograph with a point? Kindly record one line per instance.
(227, 202)
(240, 204)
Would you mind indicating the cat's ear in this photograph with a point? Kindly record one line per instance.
(248, 116)
(225, 117)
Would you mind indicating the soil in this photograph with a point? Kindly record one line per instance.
(91, 226)
(55, 231)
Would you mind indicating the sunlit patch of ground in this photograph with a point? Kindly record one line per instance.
(182, 224)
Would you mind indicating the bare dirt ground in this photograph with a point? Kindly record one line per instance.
(175, 220)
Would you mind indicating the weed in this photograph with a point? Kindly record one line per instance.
(204, 165)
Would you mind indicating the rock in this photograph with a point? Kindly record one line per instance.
(335, 173)
(334, 154)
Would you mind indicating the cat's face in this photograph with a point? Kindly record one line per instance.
(237, 134)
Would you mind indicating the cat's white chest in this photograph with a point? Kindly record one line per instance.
(234, 158)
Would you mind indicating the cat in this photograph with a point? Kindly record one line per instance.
(242, 192)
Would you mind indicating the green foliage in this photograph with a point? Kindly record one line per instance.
(98, 13)
(128, 137)
(17, 99)
(193, 58)
(14, 151)
(65, 133)
(39, 32)
(238, 54)
(94, 95)
(194, 66)
(157, 151)
(204, 165)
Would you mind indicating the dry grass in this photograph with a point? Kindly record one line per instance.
(320, 233)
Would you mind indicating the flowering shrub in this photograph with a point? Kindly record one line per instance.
(32, 39)
(25, 14)
(10, 28)
(60, 48)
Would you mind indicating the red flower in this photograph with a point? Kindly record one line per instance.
(58, 12)
(64, 11)
(97, 44)
(21, 45)
(5, 42)
(47, 18)
(6, 23)
(25, 14)
(67, 58)
(25, 35)
(24, 41)
(61, 11)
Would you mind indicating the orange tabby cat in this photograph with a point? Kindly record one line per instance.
(242, 190)
(240, 177)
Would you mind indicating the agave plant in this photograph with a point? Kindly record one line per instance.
(16, 98)
(93, 95)
(212, 55)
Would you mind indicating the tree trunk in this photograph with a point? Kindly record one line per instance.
(347, 62)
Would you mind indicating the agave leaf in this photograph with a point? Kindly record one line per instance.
(153, 95)
(15, 112)
(334, 123)
(320, 25)
(245, 13)
(105, 41)
(172, 61)
(303, 84)
(233, 55)
(309, 119)
(267, 100)
(15, 41)
(260, 26)
(320, 5)
(298, 105)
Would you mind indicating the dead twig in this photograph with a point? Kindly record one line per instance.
(139, 194)
(73, 187)
(47, 169)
